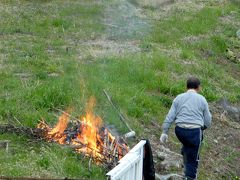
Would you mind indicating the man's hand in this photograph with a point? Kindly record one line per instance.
(163, 138)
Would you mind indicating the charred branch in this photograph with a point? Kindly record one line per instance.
(29, 132)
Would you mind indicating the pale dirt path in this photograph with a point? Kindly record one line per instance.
(125, 26)
(125, 21)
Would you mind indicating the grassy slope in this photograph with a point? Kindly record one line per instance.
(39, 72)
(196, 40)
(42, 68)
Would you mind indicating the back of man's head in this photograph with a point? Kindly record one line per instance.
(193, 83)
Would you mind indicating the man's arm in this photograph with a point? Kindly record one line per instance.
(170, 117)
(207, 116)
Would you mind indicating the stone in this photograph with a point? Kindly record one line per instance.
(53, 74)
(4, 144)
(230, 54)
(217, 170)
(232, 111)
(168, 177)
(238, 33)
(161, 156)
(169, 159)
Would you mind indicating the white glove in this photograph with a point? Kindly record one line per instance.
(164, 138)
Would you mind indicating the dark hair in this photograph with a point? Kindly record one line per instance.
(193, 83)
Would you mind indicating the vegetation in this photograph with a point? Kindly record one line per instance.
(45, 63)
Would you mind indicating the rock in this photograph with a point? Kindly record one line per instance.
(217, 170)
(4, 144)
(53, 74)
(238, 33)
(169, 159)
(216, 141)
(231, 55)
(168, 177)
(23, 75)
(161, 156)
(232, 111)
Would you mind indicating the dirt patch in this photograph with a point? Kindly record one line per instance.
(168, 7)
(23, 75)
(231, 67)
(171, 52)
(230, 19)
(223, 155)
(103, 47)
(125, 26)
(188, 62)
(195, 39)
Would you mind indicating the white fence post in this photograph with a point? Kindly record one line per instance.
(130, 167)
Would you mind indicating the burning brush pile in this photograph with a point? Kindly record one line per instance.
(86, 135)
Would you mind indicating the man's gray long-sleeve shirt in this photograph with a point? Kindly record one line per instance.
(188, 108)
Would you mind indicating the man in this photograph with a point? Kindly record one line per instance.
(191, 114)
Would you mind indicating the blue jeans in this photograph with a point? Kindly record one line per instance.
(191, 142)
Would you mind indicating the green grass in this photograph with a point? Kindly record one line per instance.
(42, 68)
(203, 54)
(180, 24)
(39, 159)
(41, 73)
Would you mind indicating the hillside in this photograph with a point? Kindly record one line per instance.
(57, 54)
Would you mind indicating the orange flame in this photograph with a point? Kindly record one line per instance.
(90, 137)
(57, 133)
(90, 131)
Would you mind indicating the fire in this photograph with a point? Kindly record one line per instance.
(86, 135)
(56, 133)
(89, 135)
